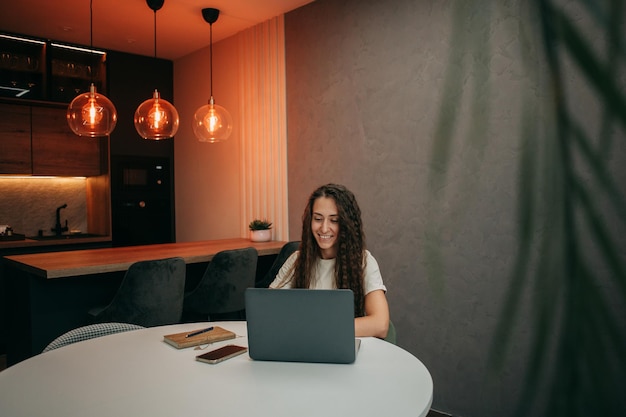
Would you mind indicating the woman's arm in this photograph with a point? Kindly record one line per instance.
(376, 320)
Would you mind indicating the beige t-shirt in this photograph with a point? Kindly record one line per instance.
(325, 274)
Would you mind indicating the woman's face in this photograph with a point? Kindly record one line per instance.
(325, 226)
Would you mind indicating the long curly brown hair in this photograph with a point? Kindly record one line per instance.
(349, 263)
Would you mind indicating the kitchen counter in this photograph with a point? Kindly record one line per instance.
(49, 293)
(18, 245)
(96, 261)
(61, 241)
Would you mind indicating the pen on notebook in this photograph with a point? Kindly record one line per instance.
(208, 329)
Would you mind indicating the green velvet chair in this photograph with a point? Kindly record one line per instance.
(391, 334)
(285, 252)
(220, 293)
(151, 294)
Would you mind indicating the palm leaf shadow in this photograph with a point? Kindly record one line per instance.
(577, 353)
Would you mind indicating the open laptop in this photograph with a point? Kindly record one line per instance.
(300, 325)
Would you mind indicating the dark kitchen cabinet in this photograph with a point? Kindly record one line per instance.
(40, 69)
(39, 78)
(71, 72)
(58, 151)
(141, 221)
(23, 69)
(132, 79)
(15, 149)
(141, 201)
(36, 140)
(142, 171)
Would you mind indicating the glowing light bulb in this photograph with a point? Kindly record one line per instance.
(212, 123)
(156, 118)
(91, 114)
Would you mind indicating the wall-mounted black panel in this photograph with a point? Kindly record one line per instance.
(132, 79)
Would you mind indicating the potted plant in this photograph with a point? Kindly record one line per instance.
(260, 230)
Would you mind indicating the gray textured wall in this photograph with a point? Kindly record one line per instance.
(365, 81)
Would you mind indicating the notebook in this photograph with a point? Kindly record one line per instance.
(300, 325)
(198, 337)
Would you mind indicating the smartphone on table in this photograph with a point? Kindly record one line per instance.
(221, 354)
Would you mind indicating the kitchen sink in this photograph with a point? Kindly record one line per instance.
(63, 237)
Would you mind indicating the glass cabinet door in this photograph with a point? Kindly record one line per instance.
(73, 71)
(48, 71)
(22, 69)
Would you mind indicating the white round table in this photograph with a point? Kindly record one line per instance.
(137, 374)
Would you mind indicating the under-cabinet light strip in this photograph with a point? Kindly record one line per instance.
(78, 48)
(58, 45)
(36, 177)
(17, 38)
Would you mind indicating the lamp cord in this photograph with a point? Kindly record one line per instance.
(211, 57)
(155, 35)
(93, 66)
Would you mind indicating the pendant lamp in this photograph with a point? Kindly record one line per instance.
(91, 114)
(212, 123)
(156, 118)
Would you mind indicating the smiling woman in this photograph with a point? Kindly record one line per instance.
(333, 256)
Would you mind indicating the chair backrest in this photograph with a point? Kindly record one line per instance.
(222, 287)
(285, 252)
(151, 294)
(391, 333)
(90, 332)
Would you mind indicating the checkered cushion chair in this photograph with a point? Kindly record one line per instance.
(90, 332)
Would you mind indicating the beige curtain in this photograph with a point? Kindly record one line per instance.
(264, 126)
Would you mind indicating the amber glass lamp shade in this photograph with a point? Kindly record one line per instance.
(156, 118)
(212, 123)
(91, 114)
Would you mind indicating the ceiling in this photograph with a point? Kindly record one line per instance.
(128, 25)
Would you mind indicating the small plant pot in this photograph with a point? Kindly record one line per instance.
(261, 235)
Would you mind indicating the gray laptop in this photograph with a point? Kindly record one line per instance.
(300, 325)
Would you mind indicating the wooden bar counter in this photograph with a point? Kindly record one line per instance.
(95, 261)
(50, 293)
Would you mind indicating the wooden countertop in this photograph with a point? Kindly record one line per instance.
(94, 261)
(28, 243)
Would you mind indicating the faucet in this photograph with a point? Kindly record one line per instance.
(58, 229)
